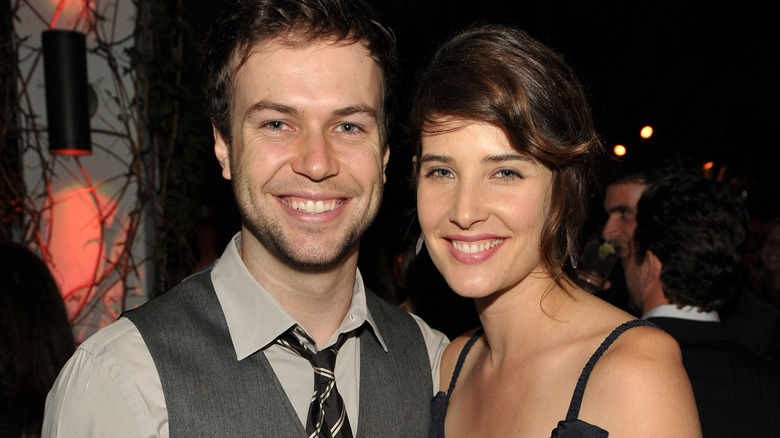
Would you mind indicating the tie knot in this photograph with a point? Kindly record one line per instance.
(324, 359)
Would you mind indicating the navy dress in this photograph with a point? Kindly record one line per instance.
(571, 427)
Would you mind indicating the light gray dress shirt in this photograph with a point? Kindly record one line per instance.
(110, 387)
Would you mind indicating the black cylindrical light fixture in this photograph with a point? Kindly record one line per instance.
(67, 103)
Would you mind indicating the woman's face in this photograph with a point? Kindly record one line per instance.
(482, 206)
(770, 250)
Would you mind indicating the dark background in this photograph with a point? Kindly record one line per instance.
(703, 74)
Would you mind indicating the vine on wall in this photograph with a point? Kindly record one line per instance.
(144, 212)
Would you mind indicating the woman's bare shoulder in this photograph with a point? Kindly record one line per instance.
(450, 357)
(640, 388)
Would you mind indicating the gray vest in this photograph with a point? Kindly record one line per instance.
(208, 393)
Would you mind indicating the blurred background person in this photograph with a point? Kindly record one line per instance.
(681, 269)
(625, 181)
(764, 275)
(748, 320)
(35, 339)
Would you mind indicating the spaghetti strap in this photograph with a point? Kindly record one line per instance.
(579, 390)
(462, 358)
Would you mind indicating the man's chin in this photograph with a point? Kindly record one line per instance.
(315, 265)
(313, 257)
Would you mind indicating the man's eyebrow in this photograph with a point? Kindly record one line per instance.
(264, 105)
(287, 109)
(620, 208)
(356, 109)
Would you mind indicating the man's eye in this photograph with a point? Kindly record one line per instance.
(276, 124)
(349, 128)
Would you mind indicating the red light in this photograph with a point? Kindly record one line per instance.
(70, 152)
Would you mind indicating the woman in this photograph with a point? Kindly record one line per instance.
(504, 159)
(35, 339)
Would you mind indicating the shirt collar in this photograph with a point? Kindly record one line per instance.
(255, 318)
(686, 312)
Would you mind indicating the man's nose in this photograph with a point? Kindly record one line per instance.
(611, 230)
(317, 158)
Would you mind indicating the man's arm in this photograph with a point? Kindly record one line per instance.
(435, 342)
(109, 387)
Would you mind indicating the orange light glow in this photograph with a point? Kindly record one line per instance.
(71, 151)
(708, 165)
(78, 246)
(619, 150)
(646, 132)
(69, 11)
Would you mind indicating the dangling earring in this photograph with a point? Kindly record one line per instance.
(420, 242)
(572, 251)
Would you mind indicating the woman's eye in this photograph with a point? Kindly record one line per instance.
(438, 173)
(508, 173)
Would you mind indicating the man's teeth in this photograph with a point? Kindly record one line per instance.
(313, 207)
(471, 249)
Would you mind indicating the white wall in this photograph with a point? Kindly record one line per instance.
(83, 227)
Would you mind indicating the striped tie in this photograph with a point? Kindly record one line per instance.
(327, 417)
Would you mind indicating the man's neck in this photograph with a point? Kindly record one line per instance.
(319, 301)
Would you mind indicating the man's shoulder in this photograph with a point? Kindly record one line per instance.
(110, 372)
(118, 337)
(170, 302)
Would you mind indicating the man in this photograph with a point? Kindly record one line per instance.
(625, 182)
(682, 267)
(297, 94)
(747, 319)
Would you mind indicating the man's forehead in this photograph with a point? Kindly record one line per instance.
(268, 49)
(293, 41)
(625, 192)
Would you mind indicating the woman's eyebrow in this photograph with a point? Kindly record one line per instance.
(426, 158)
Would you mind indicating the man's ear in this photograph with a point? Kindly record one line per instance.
(385, 159)
(651, 269)
(222, 151)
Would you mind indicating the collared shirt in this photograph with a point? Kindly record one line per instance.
(686, 312)
(110, 387)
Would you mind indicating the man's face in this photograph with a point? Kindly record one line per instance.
(633, 275)
(770, 250)
(306, 160)
(620, 204)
